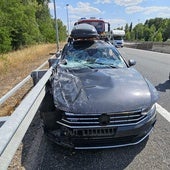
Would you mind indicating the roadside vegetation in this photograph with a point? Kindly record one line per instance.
(19, 59)
(27, 22)
(157, 30)
(27, 36)
(15, 66)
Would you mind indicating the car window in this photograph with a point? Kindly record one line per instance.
(94, 56)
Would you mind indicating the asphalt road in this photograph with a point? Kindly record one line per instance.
(153, 154)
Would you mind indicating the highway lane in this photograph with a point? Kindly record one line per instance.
(155, 67)
(152, 154)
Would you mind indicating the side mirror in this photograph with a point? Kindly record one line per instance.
(131, 62)
(64, 62)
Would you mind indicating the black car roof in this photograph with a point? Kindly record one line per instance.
(84, 31)
(90, 43)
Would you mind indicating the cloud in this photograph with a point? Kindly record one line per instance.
(51, 6)
(164, 14)
(127, 2)
(117, 22)
(156, 9)
(84, 9)
(103, 1)
(75, 17)
(148, 10)
(134, 9)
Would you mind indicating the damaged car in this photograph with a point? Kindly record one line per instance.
(94, 98)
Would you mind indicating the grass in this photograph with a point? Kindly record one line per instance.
(15, 66)
(17, 58)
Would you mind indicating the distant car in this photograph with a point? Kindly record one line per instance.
(96, 99)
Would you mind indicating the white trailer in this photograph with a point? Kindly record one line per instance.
(116, 37)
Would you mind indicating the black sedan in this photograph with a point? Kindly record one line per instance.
(97, 99)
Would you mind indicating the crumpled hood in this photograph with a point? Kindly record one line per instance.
(101, 90)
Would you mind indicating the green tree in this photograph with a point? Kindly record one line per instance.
(158, 37)
(157, 22)
(25, 22)
(45, 23)
(43, 1)
(126, 28)
(138, 29)
(152, 33)
(31, 33)
(21, 22)
(127, 36)
(62, 30)
(146, 33)
(5, 40)
(166, 31)
(132, 35)
(14, 13)
(130, 27)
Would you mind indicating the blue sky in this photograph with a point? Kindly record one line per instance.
(117, 12)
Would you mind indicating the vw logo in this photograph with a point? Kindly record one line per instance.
(104, 119)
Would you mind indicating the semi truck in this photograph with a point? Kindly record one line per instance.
(116, 37)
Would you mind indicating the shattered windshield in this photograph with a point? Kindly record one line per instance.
(94, 55)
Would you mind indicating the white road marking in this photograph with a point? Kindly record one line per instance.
(163, 112)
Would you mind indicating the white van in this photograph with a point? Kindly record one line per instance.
(116, 37)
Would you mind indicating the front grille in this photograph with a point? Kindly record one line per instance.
(72, 120)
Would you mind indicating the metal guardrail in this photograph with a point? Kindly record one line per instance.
(14, 129)
(15, 126)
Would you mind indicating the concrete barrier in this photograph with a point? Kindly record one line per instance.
(163, 47)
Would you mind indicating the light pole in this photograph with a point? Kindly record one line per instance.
(56, 26)
(67, 19)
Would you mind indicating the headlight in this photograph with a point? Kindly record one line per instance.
(148, 110)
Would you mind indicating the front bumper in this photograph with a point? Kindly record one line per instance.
(108, 136)
(119, 45)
